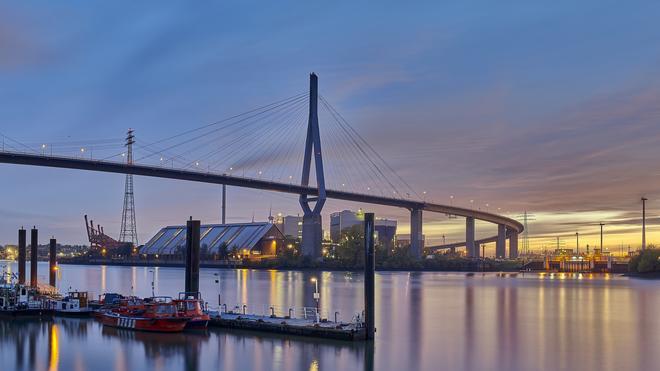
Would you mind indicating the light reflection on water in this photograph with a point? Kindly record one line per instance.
(425, 321)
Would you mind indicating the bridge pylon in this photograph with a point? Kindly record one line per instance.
(312, 234)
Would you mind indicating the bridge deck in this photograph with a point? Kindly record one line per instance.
(213, 178)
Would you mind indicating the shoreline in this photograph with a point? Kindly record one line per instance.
(165, 264)
(284, 267)
(304, 268)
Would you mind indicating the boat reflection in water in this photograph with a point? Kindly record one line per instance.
(74, 343)
(162, 348)
(425, 321)
(36, 344)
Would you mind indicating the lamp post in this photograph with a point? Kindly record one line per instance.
(601, 237)
(317, 296)
(217, 282)
(644, 223)
(577, 243)
(153, 279)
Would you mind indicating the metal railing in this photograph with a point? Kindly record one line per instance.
(285, 312)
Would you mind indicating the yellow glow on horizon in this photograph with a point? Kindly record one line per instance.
(544, 229)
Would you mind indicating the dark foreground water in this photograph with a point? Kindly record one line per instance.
(425, 321)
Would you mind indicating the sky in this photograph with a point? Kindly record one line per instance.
(548, 107)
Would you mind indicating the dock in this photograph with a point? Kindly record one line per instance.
(290, 326)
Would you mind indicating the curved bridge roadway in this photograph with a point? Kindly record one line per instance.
(507, 228)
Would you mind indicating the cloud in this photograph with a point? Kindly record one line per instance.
(17, 48)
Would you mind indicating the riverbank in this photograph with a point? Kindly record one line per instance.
(645, 276)
(427, 265)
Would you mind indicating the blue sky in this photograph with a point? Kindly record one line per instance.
(550, 107)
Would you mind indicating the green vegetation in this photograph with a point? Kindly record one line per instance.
(646, 262)
(350, 254)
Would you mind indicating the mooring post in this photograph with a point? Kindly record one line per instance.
(52, 258)
(22, 255)
(192, 255)
(34, 243)
(369, 276)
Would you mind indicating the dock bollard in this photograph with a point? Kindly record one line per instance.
(244, 309)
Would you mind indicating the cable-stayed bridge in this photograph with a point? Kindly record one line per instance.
(278, 147)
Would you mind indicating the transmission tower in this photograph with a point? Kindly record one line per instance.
(128, 231)
(526, 217)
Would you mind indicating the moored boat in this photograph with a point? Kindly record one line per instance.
(75, 304)
(156, 315)
(191, 305)
(22, 302)
(107, 300)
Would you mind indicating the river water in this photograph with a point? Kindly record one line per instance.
(425, 321)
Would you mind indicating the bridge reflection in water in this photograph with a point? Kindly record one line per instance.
(425, 321)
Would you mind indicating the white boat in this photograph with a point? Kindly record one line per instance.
(74, 304)
(20, 301)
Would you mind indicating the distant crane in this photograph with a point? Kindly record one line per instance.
(101, 243)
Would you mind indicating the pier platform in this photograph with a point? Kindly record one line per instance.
(290, 326)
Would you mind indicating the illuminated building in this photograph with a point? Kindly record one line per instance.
(216, 240)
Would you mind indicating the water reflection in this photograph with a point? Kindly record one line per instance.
(159, 348)
(24, 341)
(425, 321)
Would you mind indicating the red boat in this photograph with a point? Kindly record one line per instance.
(156, 315)
(190, 305)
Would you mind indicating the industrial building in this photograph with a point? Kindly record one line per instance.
(403, 240)
(289, 225)
(385, 232)
(343, 220)
(246, 239)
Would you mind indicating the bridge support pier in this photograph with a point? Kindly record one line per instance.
(416, 233)
(312, 235)
(471, 249)
(513, 244)
(500, 244)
